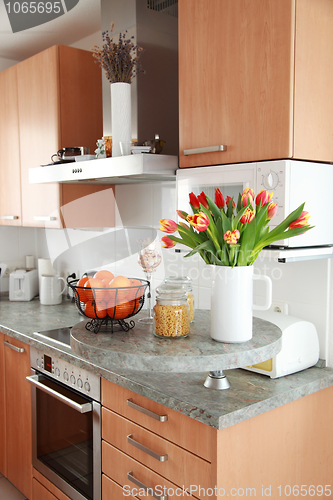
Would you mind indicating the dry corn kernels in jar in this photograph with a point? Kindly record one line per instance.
(186, 283)
(171, 313)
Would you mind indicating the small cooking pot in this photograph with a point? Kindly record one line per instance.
(70, 153)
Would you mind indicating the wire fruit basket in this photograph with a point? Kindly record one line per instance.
(109, 307)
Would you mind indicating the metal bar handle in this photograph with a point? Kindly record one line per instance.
(160, 458)
(17, 349)
(34, 380)
(208, 149)
(150, 491)
(9, 217)
(160, 418)
(44, 218)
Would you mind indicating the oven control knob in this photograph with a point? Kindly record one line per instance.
(38, 362)
(66, 376)
(271, 180)
(72, 379)
(57, 372)
(79, 383)
(87, 386)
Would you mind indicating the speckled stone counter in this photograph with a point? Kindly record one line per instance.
(250, 394)
(138, 349)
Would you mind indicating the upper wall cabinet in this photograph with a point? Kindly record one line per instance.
(10, 177)
(255, 76)
(59, 105)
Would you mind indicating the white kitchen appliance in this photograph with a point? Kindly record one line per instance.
(300, 346)
(23, 284)
(292, 182)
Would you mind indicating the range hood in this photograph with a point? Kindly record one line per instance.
(116, 170)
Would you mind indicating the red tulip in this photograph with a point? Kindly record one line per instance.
(199, 221)
(271, 210)
(302, 221)
(194, 201)
(168, 226)
(219, 200)
(167, 242)
(231, 237)
(203, 200)
(248, 216)
(263, 196)
(248, 195)
(228, 200)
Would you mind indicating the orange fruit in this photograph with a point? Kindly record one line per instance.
(137, 289)
(80, 290)
(94, 289)
(95, 309)
(104, 275)
(123, 287)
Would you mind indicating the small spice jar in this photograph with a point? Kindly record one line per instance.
(171, 312)
(186, 283)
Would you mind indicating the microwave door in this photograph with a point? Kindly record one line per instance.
(230, 179)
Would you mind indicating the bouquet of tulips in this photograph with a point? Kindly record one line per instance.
(228, 235)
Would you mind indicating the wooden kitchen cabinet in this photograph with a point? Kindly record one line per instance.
(10, 176)
(60, 105)
(18, 468)
(43, 489)
(2, 408)
(255, 76)
(289, 445)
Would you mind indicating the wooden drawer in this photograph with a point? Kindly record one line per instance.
(112, 490)
(117, 465)
(43, 489)
(178, 465)
(180, 429)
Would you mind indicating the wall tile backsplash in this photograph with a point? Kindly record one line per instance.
(305, 286)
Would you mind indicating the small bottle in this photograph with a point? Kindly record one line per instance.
(171, 312)
(186, 283)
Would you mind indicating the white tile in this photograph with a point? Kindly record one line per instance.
(135, 205)
(164, 201)
(8, 491)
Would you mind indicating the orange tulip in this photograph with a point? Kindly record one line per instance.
(167, 242)
(248, 216)
(219, 200)
(263, 196)
(203, 200)
(248, 195)
(231, 237)
(194, 201)
(271, 210)
(302, 221)
(168, 226)
(199, 221)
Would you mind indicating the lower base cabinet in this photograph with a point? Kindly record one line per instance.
(43, 489)
(278, 453)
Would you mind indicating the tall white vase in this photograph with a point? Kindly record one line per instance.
(121, 118)
(232, 303)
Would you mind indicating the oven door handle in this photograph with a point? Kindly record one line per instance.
(34, 380)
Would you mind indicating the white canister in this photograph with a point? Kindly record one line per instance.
(50, 292)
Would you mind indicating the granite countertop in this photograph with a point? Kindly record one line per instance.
(250, 394)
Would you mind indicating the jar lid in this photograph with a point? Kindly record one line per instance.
(171, 292)
(182, 280)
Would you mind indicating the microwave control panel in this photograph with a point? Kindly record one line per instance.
(272, 178)
(79, 379)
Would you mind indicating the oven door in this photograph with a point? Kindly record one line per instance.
(66, 436)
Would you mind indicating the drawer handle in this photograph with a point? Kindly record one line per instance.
(160, 458)
(160, 418)
(9, 217)
(150, 491)
(11, 346)
(208, 149)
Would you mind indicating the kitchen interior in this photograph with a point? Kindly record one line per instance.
(278, 109)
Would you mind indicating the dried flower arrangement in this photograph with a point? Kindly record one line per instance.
(120, 61)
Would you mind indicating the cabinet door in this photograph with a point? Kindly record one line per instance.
(38, 99)
(18, 415)
(313, 81)
(10, 175)
(236, 64)
(2, 409)
(39, 492)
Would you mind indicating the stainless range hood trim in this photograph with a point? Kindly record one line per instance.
(116, 170)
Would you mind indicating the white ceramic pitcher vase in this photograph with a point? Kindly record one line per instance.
(121, 118)
(232, 302)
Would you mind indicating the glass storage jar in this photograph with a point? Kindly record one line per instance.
(171, 312)
(186, 283)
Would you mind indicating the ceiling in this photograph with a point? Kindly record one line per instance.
(81, 21)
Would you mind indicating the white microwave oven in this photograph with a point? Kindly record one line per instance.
(291, 181)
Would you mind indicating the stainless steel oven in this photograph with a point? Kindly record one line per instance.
(66, 431)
